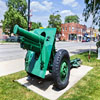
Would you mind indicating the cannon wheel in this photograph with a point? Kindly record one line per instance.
(61, 69)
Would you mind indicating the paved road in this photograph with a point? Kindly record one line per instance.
(12, 52)
(12, 56)
(76, 47)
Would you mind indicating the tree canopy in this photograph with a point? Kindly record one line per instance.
(55, 22)
(89, 9)
(72, 18)
(35, 25)
(19, 5)
(16, 14)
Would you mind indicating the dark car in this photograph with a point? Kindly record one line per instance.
(12, 39)
(86, 39)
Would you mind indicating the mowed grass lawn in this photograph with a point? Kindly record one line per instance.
(88, 88)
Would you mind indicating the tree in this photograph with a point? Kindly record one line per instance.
(72, 18)
(89, 9)
(35, 25)
(16, 14)
(19, 5)
(55, 22)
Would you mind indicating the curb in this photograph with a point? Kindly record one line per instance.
(9, 43)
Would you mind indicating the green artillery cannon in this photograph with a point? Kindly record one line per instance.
(42, 56)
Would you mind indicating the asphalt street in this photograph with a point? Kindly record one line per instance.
(13, 51)
(12, 56)
(76, 47)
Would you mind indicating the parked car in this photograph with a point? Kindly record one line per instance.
(85, 39)
(12, 39)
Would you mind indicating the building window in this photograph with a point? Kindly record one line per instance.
(81, 30)
(63, 28)
(72, 36)
(72, 29)
(69, 28)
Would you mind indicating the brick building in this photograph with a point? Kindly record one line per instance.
(1, 31)
(2, 35)
(72, 31)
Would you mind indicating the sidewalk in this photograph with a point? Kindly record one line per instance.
(11, 66)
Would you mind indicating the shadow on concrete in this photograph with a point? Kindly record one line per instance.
(40, 83)
(44, 84)
(81, 51)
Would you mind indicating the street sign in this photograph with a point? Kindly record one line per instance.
(41, 27)
(94, 34)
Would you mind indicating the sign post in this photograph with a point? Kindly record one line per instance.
(99, 53)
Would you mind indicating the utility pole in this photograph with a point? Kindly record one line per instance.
(28, 15)
(91, 31)
(54, 16)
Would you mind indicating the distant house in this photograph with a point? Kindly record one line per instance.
(93, 33)
(72, 31)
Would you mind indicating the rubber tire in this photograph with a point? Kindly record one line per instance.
(58, 83)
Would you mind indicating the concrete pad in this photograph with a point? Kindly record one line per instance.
(45, 88)
(12, 66)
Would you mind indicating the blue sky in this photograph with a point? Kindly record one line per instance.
(41, 9)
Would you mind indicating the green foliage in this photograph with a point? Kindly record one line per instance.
(89, 10)
(72, 18)
(19, 5)
(36, 25)
(55, 22)
(15, 15)
(11, 90)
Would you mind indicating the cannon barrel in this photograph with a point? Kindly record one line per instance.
(22, 32)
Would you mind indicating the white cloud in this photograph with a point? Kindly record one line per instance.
(64, 13)
(48, 4)
(42, 19)
(44, 6)
(65, 2)
(3, 8)
(75, 4)
(72, 3)
(67, 12)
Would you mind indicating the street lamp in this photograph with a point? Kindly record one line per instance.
(55, 12)
(54, 17)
